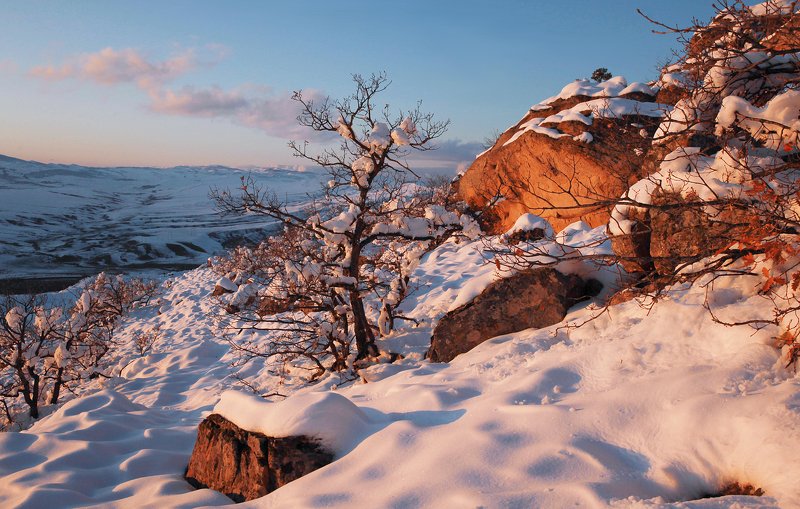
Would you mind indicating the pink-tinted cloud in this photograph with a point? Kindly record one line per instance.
(256, 107)
(188, 101)
(110, 66)
(251, 106)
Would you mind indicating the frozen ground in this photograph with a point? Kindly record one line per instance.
(634, 409)
(64, 220)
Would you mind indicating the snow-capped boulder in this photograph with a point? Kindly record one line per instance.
(529, 228)
(595, 135)
(533, 298)
(245, 465)
(223, 286)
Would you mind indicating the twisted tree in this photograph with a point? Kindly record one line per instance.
(366, 231)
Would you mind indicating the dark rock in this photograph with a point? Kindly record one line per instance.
(245, 465)
(676, 231)
(684, 232)
(531, 298)
(220, 290)
(531, 235)
(734, 489)
(633, 249)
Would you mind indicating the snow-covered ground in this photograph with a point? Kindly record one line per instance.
(636, 408)
(72, 220)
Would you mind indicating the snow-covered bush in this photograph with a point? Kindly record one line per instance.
(358, 242)
(145, 340)
(48, 349)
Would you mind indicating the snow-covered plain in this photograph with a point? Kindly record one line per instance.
(636, 408)
(71, 220)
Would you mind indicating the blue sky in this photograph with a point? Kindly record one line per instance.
(194, 82)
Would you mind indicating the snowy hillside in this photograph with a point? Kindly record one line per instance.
(643, 357)
(633, 409)
(60, 220)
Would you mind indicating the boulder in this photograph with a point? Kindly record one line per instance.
(672, 233)
(683, 234)
(532, 298)
(223, 286)
(245, 465)
(532, 170)
(633, 249)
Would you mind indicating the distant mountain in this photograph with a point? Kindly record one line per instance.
(7, 159)
(70, 220)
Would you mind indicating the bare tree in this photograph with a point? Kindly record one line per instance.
(353, 241)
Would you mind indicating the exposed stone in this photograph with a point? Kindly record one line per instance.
(785, 38)
(671, 94)
(533, 172)
(525, 236)
(219, 290)
(245, 465)
(675, 231)
(685, 233)
(633, 249)
(531, 298)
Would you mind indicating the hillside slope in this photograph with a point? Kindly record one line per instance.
(634, 408)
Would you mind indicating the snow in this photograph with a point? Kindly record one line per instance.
(614, 87)
(638, 87)
(527, 222)
(616, 107)
(533, 125)
(687, 172)
(330, 417)
(585, 112)
(636, 408)
(589, 88)
(773, 7)
(227, 284)
(629, 410)
(68, 220)
(362, 171)
(675, 79)
(379, 138)
(567, 116)
(584, 137)
(777, 124)
(14, 318)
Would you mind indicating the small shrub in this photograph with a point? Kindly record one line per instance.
(601, 74)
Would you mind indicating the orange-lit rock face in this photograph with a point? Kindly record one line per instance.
(561, 179)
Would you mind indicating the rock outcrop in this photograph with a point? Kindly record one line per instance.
(531, 298)
(566, 157)
(672, 233)
(245, 465)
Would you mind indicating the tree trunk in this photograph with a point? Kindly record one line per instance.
(365, 339)
(30, 399)
(33, 399)
(57, 386)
